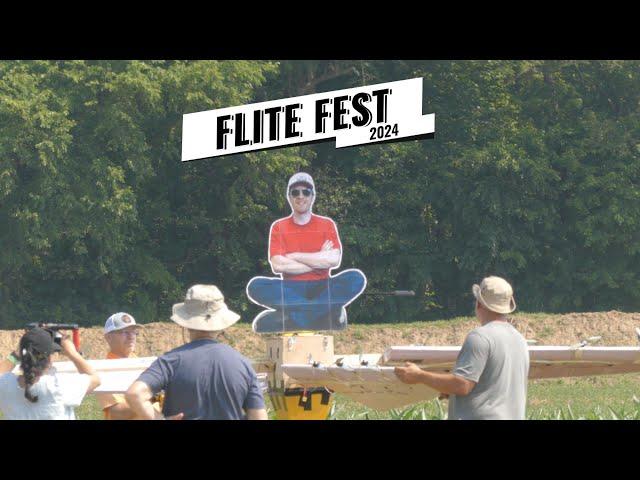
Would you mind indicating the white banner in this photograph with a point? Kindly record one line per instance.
(355, 116)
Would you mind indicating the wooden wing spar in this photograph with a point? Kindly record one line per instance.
(375, 385)
(545, 361)
(300, 362)
(118, 375)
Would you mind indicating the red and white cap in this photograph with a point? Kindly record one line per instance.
(118, 321)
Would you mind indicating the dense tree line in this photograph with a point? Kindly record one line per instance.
(532, 174)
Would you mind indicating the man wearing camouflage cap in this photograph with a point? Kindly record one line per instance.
(489, 380)
(203, 379)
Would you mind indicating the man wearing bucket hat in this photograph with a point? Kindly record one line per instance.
(489, 380)
(203, 379)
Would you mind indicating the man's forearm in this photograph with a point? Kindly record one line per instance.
(121, 411)
(144, 410)
(139, 400)
(319, 260)
(81, 364)
(257, 414)
(6, 366)
(444, 382)
(84, 367)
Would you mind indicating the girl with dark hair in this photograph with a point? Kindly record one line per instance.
(40, 393)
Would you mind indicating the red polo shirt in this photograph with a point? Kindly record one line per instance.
(289, 237)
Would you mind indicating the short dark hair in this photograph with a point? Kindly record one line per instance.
(297, 184)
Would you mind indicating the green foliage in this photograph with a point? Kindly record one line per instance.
(98, 214)
(533, 175)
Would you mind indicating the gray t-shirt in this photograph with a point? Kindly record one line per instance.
(205, 380)
(495, 356)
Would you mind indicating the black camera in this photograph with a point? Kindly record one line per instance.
(57, 336)
(53, 329)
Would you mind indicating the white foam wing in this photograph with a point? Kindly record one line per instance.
(545, 361)
(117, 375)
(374, 386)
(369, 378)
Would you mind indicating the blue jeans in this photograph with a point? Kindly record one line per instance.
(306, 304)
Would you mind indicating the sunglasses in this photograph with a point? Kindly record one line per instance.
(131, 333)
(294, 192)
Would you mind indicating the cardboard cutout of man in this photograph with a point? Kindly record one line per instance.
(303, 249)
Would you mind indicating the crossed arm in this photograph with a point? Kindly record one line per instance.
(297, 263)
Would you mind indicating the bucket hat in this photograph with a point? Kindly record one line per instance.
(496, 294)
(204, 309)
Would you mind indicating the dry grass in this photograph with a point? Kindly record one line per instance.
(616, 328)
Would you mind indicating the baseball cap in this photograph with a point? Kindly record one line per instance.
(118, 321)
(301, 177)
(39, 340)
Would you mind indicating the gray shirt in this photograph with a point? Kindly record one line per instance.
(495, 356)
(205, 380)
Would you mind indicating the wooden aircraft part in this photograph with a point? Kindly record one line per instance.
(547, 370)
(586, 354)
(306, 348)
(364, 359)
(117, 375)
(308, 361)
(429, 355)
(115, 365)
(264, 366)
(545, 361)
(301, 349)
(420, 355)
(375, 386)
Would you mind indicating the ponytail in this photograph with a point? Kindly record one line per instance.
(33, 366)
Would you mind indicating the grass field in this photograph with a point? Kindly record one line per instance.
(593, 398)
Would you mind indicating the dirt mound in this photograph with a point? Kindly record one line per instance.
(153, 339)
(616, 328)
